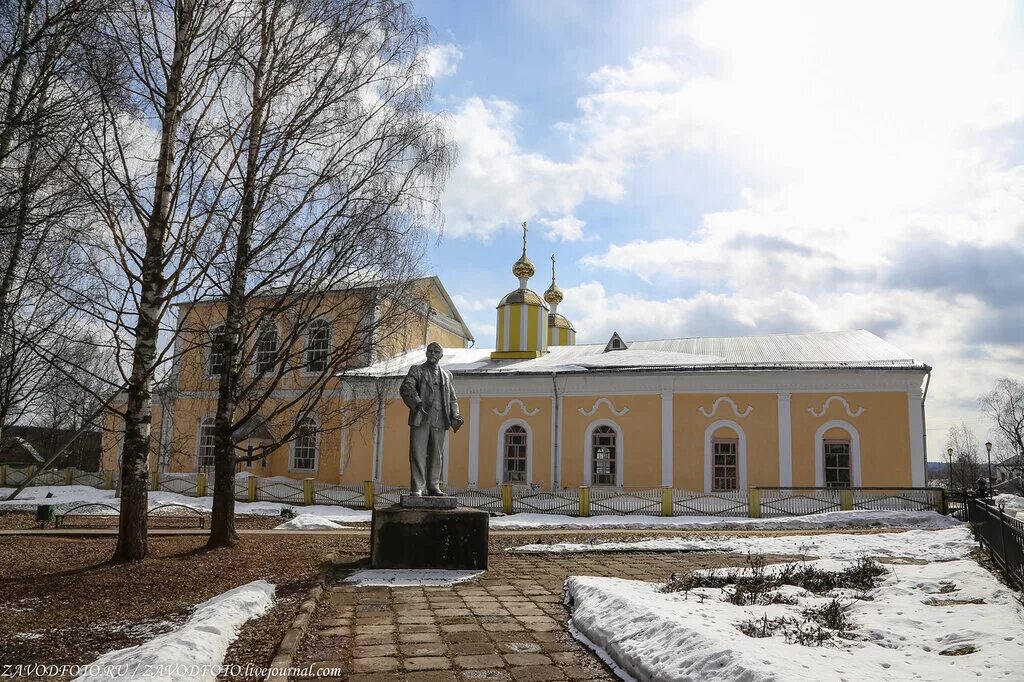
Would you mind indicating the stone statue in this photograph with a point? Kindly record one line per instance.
(428, 393)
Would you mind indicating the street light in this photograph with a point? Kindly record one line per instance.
(949, 452)
(988, 449)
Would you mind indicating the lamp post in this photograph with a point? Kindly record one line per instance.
(949, 451)
(988, 450)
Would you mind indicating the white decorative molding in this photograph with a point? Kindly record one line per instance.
(824, 408)
(588, 455)
(474, 440)
(499, 460)
(522, 407)
(735, 410)
(597, 403)
(785, 441)
(666, 439)
(819, 452)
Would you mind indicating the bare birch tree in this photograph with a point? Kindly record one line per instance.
(1004, 404)
(340, 168)
(159, 72)
(964, 461)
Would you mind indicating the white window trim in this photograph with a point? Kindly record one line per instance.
(207, 365)
(709, 458)
(305, 348)
(499, 470)
(199, 439)
(316, 449)
(819, 452)
(620, 451)
(255, 352)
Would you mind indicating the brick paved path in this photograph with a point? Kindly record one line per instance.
(508, 625)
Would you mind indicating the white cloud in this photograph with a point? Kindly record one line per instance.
(443, 60)
(566, 229)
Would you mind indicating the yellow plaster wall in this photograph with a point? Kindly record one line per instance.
(760, 427)
(884, 435)
(492, 436)
(641, 434)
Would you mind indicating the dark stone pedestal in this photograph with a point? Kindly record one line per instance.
(428, 502)
(455, 539)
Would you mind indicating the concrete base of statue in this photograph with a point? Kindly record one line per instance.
(409, 537)
(428, 502)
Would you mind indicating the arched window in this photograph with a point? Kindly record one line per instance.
(205, 452)
(215, 360)
(318, 345)
(838, 469)
(304, 448)
(837, 455)
(266, 349)
(604, 460)
(725, 457)
(515, 458)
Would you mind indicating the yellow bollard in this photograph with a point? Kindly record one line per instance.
(251, 485)
(845, 499)
(369, 495)
(754, 503)
(506, 498)
(108, 479)
(200, 484)
(69, 475)
(666, 502)
(307, 491)
(584, 501)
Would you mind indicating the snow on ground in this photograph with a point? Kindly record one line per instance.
(1014, 504)
(191, 651)
(930, 545)
(71, 494)
(860, 518)
(409, 577)
(309, 522)
(898, 634)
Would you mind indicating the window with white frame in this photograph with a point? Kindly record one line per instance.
(515, 455)
(265, 355)
(724, 461)
(603, 456)
(837, 463)
(215, 361)
(205, 454)
(304, 450)
(318, 345)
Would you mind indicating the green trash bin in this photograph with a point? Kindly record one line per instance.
(44, 513)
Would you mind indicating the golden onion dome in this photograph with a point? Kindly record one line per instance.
(559, 321)
(522, 296)
(553, 294)
(523, 268)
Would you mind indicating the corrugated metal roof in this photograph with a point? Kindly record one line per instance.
(820, 350)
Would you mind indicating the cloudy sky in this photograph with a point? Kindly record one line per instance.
(737, 168)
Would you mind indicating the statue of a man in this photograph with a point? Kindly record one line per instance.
(428, 393)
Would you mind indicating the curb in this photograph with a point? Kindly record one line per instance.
(286, 650)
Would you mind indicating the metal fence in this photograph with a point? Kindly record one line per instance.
(1000, 534)
(517, 499)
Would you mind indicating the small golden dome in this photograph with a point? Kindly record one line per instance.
(523, 268)
(559, 321)
(553, 294)
(522, 296)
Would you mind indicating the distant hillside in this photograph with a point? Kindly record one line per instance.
(938, 469)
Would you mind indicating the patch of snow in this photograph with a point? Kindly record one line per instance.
(858, 518)
(898, 634)
(1013, 504)
(309, 522)
(930, 545)
(191, 651)
(378, 577)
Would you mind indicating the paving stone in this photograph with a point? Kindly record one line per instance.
(536, 673)
(563, 657)
(527, 659)
(503, 626)
(413, 637)
(460, 637)
(375, 650)
(462, 627)
(374, 677)
(448, 612)
(519, 647)
(418, 627)
(376, 664)
(479, 661)
(424, 649)
(340, 631)
(427, 663)
(485, 675)
(376, 629)
(432, 676)
(472, 649)
(368, 640)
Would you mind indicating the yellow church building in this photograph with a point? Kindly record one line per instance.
(830, 409)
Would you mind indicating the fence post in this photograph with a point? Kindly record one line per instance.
(584, 500)
(369, 495)
(754, 503)
(846, 499)
(943, 503)
(666, 502)
(201, 484)
(154, 477)
(69, 475)
(3, 475)
(108, 479)
(307, 491)
(251, 487)
(506, 498)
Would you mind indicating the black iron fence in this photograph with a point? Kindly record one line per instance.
(997, 532)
